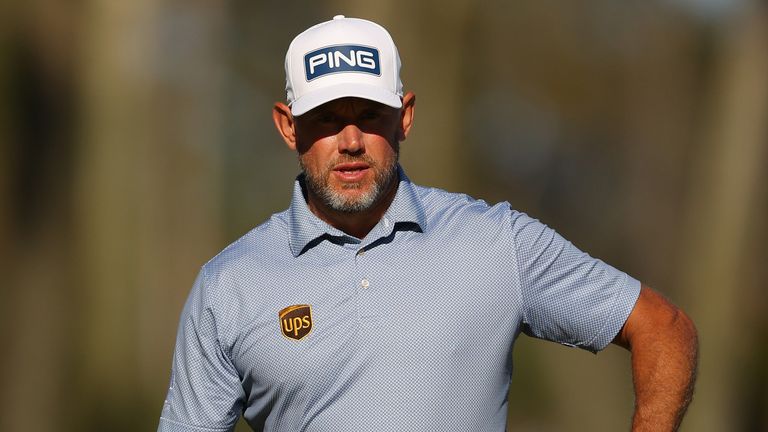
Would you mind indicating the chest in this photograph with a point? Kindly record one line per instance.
(405, 310)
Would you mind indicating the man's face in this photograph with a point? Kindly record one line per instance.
(348, 150)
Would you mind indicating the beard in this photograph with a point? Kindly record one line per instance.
(318, 183)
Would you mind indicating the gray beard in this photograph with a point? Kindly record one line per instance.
(319, 187)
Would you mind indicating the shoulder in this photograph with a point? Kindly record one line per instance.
(236, 272)
(458, 214)
(447, 208)
(255, 249)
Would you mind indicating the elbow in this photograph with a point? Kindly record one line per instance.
(686, 332)
(655, 323)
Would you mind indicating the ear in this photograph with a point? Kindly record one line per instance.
(284, 123)
(406, 115)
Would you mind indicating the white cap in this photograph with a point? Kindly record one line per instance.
(340, 58)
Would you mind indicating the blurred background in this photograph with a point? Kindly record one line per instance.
(136, 142)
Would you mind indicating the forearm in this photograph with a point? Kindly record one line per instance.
(664, 372)
(664, 361)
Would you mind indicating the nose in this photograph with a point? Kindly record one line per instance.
(350, 139)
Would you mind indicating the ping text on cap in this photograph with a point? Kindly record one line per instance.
(341, 58)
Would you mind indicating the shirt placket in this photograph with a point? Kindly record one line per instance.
(366, 286)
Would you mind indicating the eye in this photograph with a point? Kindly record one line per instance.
(326, 117)
(370, 115)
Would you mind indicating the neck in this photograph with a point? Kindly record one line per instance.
(356, 224)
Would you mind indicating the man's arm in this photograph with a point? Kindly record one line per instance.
(664, 348)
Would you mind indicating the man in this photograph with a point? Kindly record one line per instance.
(373, 304)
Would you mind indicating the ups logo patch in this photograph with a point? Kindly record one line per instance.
(296, 321)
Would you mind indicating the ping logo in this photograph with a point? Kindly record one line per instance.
(296, 321)
(341, 58)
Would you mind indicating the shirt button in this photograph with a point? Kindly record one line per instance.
(364, 283)
(361, 252)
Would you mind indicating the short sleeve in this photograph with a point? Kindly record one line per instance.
(569, 297)
(205, 393)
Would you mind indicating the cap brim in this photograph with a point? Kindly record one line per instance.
(327, 94)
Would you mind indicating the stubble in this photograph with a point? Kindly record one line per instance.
(318, 183)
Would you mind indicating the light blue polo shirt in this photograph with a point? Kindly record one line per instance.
(300, 327)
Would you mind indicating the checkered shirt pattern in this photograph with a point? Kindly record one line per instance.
(412, 326)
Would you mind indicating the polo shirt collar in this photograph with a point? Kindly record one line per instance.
(304, 227)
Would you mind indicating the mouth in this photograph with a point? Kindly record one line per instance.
(351, 172)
